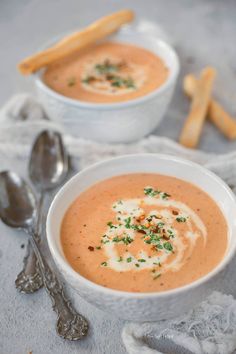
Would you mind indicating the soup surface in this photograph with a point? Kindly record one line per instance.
(143, 233)
(107, 72)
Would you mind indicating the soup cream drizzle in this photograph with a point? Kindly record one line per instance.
(133, 208)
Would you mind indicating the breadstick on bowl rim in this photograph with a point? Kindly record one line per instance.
(192, 129)
(216, 113)
(76, 41)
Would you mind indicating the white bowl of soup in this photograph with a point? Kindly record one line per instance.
(115, 91)
(145, 236)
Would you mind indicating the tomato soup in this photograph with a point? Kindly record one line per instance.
(143, 233)
(107, 72)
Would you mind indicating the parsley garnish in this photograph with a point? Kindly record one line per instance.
(141, 260)
(111, 225)
(127, 222)
(157, 276)
(106, 68)
(165, 195)
(126, 240)
(104, 264)
(168, 246)
(181, 219)
(151, 192)
(129, 259)
(105, 241)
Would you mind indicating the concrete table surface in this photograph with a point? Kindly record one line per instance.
(203, 33)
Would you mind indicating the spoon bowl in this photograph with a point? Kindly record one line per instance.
(17, 201)
(48, 165)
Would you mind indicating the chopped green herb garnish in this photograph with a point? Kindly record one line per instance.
(105, 241)
(88, 79)
(98, 247)
(168, 246)
(110, 224)
(117, 81)
(139, 227)
(127, 222)
(126, 240)
(129, 83)
(157, 276)
(106, 68)
(165, 195)
(116, 239)
(104, 264)
(151, 192)
(120, 259)
(129, 259)
(137, 265)
(141, 260)
(181, 219)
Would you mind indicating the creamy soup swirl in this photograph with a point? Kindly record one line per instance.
(159, 228)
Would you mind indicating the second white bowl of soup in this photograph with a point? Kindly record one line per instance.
(115, 91)
(145, 237)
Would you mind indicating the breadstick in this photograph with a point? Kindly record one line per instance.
(76, 41)
(216, 113)
(193, 126)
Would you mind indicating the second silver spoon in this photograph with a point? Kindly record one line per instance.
(48, 167)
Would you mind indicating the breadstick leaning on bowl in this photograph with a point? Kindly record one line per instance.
(216, 113)
(192, 129)
(76, 41)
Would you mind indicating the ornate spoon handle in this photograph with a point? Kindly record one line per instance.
(30, 279)
(70, 324)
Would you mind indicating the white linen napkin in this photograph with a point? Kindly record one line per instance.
(211, 327)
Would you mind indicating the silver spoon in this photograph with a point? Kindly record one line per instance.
(48, 167)
(18, 209)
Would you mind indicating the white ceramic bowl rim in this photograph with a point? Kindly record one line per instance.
(112, 292)
(110, 106)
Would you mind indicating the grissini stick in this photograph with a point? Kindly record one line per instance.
(192, 129)
(76, 41)
(216, 113)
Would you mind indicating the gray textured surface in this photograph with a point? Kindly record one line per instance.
(203, 33)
